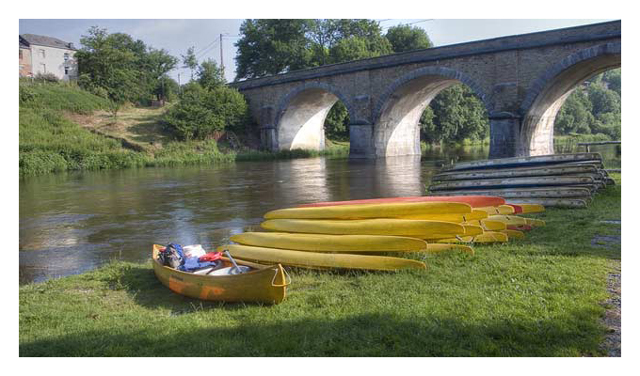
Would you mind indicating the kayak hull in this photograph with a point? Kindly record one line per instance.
(397, 227)
(330, 243)
(265, 284)
(366, 211)
(316, 260)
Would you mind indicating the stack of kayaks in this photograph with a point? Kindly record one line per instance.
(373, 234)
(562, 180)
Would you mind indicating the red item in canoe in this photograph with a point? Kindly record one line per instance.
(209, 257)
(473, 201)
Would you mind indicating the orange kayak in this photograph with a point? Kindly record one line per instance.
(473, 201)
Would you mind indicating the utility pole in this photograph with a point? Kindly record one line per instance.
(221, 57)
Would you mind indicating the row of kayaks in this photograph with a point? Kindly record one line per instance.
(561, 180)
(370, 234)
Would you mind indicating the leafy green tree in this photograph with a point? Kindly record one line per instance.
(107, 63)
(603, 100)
(189, 60)
(354, 48)
(613, 79)
(120, 68)
(269, 47)
(407, 38)
(337, 122)
(210, 75)
(454, 115)
(575, 114)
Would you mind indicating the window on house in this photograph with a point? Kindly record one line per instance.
(43, 68)
(66, 57)
(20, 54)
(42, 54)
(66, 70)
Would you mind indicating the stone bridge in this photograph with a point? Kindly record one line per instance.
(523, 80)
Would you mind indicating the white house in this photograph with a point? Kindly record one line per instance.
(48, 55)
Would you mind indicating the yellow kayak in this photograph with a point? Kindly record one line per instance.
(266, 284)
(509, 220)
(319, 260)
(472, 230)
(535, 222)
(457, 218)
(394, 210)
(493, 210)
(487, 224)
(487, 237)
(513, 234)
(399, 227)
(330, 243)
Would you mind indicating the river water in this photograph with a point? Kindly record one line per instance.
(74, 222)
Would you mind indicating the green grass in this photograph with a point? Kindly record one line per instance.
(51, 142)
(537, 297)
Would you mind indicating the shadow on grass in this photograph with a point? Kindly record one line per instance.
(357, 335)
(140, 282)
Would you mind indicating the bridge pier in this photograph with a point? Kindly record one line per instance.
(504, 134)
(268, 138)
(361, 141)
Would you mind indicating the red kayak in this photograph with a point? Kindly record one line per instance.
(473, 201)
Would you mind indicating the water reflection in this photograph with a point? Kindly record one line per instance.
(70, 223)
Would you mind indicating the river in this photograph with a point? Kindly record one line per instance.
(74, 222)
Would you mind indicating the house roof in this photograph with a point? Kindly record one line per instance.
(42, 40)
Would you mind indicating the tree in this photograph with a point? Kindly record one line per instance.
(189, 60)
(407, 38)
(454, 115)
(575, 115)
(269, 47)
(209, 75)
(122, 69)
(107, 63)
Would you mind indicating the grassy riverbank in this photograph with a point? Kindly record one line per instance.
(542, 296)
(65, 128)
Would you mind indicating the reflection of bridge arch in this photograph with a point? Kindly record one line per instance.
(300, 116)
(549, 92)
(398, 111)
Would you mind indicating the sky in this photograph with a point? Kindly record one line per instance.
(176, 35)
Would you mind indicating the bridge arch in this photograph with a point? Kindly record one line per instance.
(398, 110)
(301, 114)
(548, 93)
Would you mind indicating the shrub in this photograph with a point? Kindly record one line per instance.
(48, 77)
(200, 113)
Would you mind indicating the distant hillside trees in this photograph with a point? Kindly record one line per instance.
(593, 108)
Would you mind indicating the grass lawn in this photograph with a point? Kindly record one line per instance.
(542, 296)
